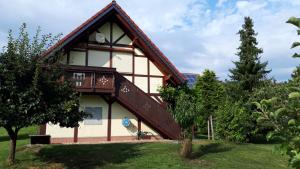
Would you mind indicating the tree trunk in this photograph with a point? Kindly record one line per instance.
(208, 129)
(186, 148)
(12, 150)
(13, 135)
(212, 128)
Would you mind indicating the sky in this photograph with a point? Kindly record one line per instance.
(194, 34)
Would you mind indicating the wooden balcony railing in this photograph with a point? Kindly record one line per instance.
(91, 79)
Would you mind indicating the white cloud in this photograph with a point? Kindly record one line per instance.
(192, 33)
(247, 7)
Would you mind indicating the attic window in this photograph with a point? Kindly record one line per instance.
(78, 79)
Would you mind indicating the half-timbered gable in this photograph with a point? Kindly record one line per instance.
(115, 49)
(118, 70)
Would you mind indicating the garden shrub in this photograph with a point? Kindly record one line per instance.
(234, 122)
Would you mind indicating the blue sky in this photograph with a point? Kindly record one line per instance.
(194, 34)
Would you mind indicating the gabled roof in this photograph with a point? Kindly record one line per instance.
(142, 38)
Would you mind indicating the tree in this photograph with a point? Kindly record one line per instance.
(286, 124)
(249, 71)
(296, 74)
(31, 94)
(210, 94)
(286, 118)
(234, 123)
(296, 22)
(184, 108)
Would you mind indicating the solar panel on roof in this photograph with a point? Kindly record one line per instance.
(191, 79)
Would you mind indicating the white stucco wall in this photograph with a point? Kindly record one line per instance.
(117, 32)
(122, 62)
(88, 131)
(146, 128)
(98, 58)
(141, 65)
(92, 36)
(59, 132)
(105, 29)
(154, 70)
(142, 83)
(117, 129)
(77, 58)
(128, 78)
(155, 84)
(125, 40)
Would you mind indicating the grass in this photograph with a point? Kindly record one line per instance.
(206, 155)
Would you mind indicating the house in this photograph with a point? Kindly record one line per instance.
(117, 69)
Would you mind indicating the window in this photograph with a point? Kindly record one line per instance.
(95, 117)
(78, 78)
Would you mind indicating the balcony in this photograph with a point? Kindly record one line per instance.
(108, 81)
(91, 79)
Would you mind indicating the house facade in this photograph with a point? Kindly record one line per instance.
(118, 70)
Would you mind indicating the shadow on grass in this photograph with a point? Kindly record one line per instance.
(20, 137)
(88, 156)
(210, 148)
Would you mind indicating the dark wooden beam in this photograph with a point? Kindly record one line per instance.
(117, 40)
(87, 51)
(148, 72)
(111, 32)
(133, 66)
(109, 122)
(86, 57)
(110, 42)
(142, 56)
(101, 48)
(75, 135)
(68, 57)
(89, 69)
(139, 75)
(139, 127)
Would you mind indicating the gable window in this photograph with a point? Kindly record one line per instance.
(95, 117)
(78, 79)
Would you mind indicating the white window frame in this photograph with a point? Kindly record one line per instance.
(79, 79)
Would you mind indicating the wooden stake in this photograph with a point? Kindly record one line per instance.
(208, 130)
(212, 128)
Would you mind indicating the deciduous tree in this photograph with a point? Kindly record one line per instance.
(30, 94)
(183, 105)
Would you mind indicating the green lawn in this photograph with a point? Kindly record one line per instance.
(206, 155)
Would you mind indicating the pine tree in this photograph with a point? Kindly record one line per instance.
(249, 71)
